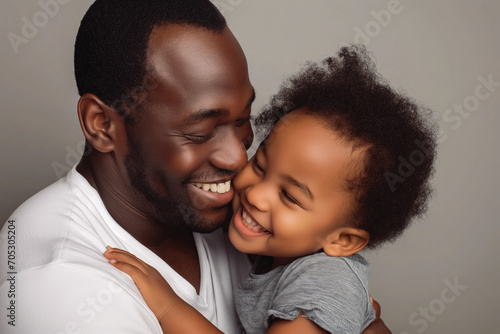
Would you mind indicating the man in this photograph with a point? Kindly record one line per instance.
(165, 107)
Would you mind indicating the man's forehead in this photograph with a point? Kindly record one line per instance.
(189, 59)
(206, 113)
(186, 42)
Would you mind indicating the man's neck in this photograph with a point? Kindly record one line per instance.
(120, 201)
(176, 246)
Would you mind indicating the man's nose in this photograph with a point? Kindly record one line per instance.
(231, 152)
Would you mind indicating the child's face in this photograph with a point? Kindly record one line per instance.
(290, 197)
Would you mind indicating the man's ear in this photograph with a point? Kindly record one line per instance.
(99, 122)
(345, 241)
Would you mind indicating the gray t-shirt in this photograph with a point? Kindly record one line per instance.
(331, 291)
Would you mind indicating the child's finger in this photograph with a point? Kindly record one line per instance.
(135, 273)
(118, 250)
(125, 257)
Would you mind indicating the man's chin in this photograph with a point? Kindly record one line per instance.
(207, 221)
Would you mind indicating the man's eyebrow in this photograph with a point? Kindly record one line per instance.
(202, 114)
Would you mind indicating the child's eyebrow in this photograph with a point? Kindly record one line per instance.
(305, 189)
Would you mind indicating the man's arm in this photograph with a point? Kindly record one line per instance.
(377, 326)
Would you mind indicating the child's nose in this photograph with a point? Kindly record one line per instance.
(258, 196)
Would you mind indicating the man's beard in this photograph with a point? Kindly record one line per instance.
(166, 209)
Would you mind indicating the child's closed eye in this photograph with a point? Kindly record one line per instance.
(258, 168)
(289, 198)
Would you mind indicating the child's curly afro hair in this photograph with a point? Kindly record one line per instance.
(349, 96)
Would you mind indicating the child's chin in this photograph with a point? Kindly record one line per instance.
(235, 238)
(231, 231)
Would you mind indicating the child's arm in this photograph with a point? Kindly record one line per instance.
(177, 316)
(298, 325)
(173, 313)
(303, 325)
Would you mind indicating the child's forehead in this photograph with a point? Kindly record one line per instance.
(301, 126)
(301, 145)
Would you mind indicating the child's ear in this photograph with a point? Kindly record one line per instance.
(99, 122)
(346, 241)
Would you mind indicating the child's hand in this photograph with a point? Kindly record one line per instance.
(169, 308)
(157, 293)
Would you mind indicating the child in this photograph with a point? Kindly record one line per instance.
(323, 185)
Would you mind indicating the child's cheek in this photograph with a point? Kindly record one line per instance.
(244, 178)
(236, 201)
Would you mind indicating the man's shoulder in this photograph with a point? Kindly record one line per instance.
(59, 223)
(56, 296)
(53, 200)
(39, 221)
(56, 197)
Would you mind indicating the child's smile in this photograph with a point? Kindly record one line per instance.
(246, 225)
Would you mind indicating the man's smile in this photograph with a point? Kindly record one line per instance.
(220, 188)
(216, 194)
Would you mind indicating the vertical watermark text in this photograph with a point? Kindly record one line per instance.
(11, 272)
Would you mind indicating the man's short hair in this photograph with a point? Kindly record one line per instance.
(111, 45)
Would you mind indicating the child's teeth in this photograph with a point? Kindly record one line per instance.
(248, 222)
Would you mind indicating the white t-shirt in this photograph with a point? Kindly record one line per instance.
(60, 282)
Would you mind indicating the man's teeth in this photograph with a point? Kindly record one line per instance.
(220, 188)
(249, 223)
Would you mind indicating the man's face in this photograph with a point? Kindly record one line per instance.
(189, 136)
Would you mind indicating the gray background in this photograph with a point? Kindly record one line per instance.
(437, 50)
